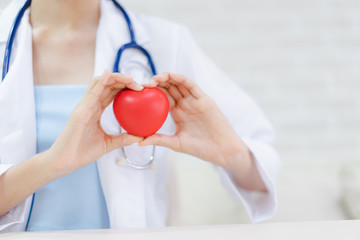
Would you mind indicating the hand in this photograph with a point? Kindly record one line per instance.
(202, 129)
(82, 141)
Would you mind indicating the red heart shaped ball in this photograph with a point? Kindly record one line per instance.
(141, 113)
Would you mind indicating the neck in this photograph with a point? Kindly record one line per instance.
(72, 14)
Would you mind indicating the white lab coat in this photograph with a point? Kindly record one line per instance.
(133, 198)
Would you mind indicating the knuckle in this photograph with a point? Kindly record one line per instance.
(166, 75)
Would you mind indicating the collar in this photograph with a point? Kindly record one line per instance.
(8, 16)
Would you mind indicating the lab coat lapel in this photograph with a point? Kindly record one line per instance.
(17, 111)
(123, 187)
(7, 18)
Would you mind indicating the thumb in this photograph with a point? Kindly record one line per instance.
(122, 140)
(162, 140)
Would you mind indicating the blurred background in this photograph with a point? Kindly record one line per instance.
(300, 61)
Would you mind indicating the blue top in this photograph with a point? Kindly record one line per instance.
(75, 201)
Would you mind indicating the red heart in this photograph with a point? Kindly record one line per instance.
(141, 113)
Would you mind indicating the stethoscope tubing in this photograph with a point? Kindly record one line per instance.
(133, 45)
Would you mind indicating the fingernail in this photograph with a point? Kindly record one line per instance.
(152, 82)
(139, 87)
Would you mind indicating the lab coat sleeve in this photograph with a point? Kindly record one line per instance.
(4, 167)
(246, 118)
(15, 219)
(10, 221)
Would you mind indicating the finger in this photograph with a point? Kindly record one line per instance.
(98, 84)
(184, 91)
(170, 90)
(191, 86)
(171, 142)
(162, 77)
(169, 97)
(181, 80)
(122, 140)
(157, 79)
(92, 96)
(126, 80)
(109, 98)
(167, 78)
(114, 85)
(162, 82)
(151, 84)
(173, 91)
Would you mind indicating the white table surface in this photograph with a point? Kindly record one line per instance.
(296, 230)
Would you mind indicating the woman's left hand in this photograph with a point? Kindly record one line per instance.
(203, 131)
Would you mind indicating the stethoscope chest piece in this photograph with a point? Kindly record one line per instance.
(125, 162)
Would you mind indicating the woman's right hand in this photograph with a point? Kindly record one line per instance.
(83, 140)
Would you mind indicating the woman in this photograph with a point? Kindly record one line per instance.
(49, 144)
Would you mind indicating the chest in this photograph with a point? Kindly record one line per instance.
(66, 58)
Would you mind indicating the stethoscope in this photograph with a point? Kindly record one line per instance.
(131, 45)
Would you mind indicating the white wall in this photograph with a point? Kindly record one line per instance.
(3, 3)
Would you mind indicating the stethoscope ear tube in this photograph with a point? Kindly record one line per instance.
(128, 21)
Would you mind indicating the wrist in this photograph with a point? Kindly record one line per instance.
(241, 165)
(237, 158)
(55, 167)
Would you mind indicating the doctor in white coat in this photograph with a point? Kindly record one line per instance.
(210, 116)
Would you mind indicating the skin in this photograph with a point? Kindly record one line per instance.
(64, 37)
(203, 131)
